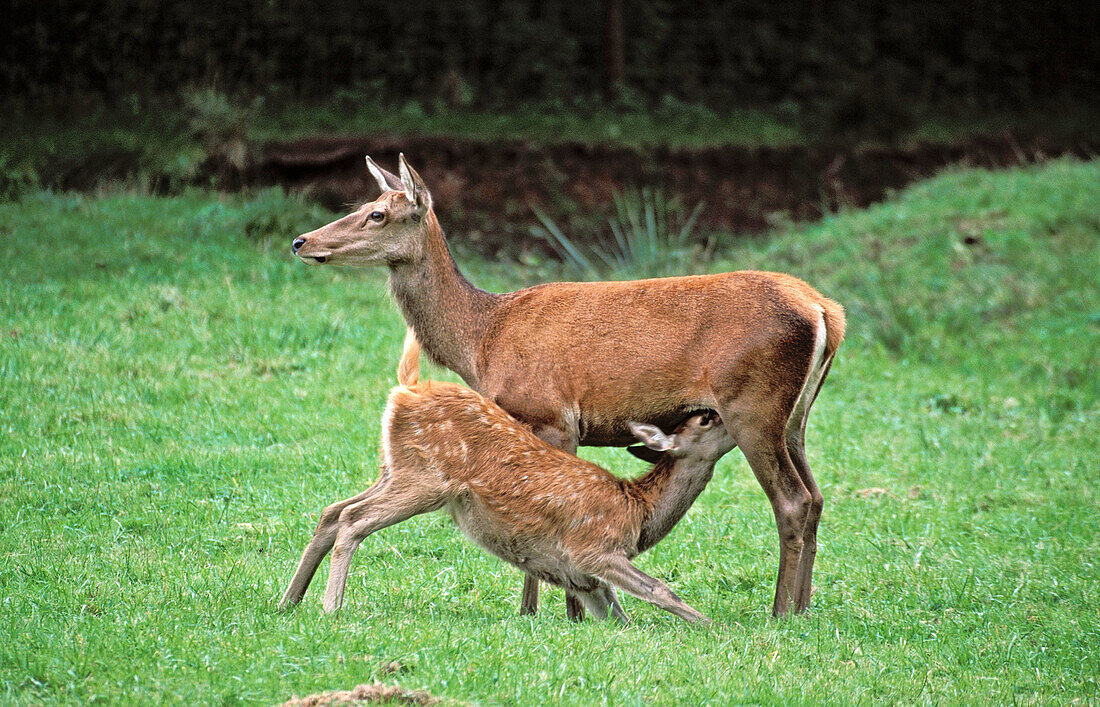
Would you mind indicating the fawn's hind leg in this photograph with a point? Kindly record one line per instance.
(388, 506)
(529, 603)
(319, 545)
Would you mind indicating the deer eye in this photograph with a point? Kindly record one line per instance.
(376, 216)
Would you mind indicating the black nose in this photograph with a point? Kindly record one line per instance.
(298, 242)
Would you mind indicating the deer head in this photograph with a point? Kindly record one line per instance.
(391, 229)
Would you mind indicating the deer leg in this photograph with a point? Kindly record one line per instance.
(529, 604)
(796, 448)
(319, 545)
(360, 520)
(617, 570)
(791, 501)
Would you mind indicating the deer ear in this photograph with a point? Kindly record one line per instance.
(415, 189)
(651, 436)
(387, 181)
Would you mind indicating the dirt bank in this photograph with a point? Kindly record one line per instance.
(484, 191)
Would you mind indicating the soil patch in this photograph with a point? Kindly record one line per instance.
(362, 695)
(484, 192)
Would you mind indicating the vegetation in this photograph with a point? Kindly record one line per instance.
(828, 58)
(179, 398)
(165, 144)
(650, 237)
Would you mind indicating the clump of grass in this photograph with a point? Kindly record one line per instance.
(650, 236)
(220, 124)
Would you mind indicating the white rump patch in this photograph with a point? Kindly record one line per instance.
(813, 377)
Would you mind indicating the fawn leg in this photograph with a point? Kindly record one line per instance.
(574, 607)
(616, 607)
(602, 599)
(529, 604)
(319, 545)
(595, 601)
(621, 572)
(360, 520)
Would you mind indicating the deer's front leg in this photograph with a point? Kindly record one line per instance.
(529, 604)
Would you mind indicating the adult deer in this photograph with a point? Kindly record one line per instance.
(556, 517)
(577, 360)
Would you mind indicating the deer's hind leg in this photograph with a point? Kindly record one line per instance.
(756, 406)
(796, 448)
(803, 576)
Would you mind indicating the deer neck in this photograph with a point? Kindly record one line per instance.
(448, 314)
(667, 493)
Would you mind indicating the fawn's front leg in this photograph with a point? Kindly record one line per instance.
(617, 570)
(529, 603)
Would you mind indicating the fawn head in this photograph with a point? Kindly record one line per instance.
(701, 436)
(391, 229)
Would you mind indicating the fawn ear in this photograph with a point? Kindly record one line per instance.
(415, 189)
(645, 453)
(651, 436)
(387, 181)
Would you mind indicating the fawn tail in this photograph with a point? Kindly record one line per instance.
(408, 370)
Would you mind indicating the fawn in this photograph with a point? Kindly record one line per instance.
(558, 518)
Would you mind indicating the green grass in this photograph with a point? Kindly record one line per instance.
(178, 401)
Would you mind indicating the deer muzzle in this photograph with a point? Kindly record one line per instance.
(298, 243)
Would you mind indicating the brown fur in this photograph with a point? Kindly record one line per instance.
(556, 517)
(576, 361)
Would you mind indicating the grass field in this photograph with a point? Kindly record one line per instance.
(178, 401)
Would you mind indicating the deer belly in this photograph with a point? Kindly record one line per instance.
(608, 428)
(515, 540)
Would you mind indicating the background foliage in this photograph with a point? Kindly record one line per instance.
(982, 53)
